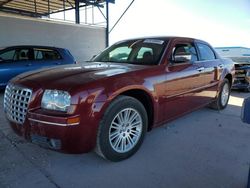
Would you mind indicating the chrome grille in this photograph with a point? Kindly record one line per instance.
(240, 72)
(16, 100)
(240, 75)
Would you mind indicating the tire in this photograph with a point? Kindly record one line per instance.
(118, 139)
(223, 96)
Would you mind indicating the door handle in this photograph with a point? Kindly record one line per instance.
(29, 64)
(200, 69)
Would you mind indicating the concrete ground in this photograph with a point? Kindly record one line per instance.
(204, 149)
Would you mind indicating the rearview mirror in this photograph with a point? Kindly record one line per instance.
(245, 111)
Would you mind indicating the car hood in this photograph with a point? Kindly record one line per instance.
(242, 66)
(68, 76)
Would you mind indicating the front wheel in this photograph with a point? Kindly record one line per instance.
(223, 97)
(122, 129)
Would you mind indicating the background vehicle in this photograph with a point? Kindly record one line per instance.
(245, 117)
(242, 73)
(245, 112)
(241, 57)
(110, 103)
(18, 59)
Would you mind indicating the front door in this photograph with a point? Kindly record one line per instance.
(183, 80)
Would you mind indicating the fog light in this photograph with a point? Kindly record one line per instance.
(54, 143)
(46, 142)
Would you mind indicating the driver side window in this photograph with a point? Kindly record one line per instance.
(184, 53)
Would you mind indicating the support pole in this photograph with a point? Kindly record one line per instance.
(64, 17)
(35, 8)
(122, 16)
(107, 20)
(48, 8)
(77, 11)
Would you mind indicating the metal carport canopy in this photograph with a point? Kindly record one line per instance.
(39, 8)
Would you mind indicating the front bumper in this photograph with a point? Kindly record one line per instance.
(241, 84)
(63, 134)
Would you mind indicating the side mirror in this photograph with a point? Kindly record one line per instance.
(245, 111)
(181, 58)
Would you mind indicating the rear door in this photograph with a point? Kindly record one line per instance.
(212, 69)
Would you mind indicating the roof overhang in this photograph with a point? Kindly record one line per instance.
(39, 8)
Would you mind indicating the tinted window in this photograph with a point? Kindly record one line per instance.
(184, 52)
(46, 54)
(7, 55)
(23, 54)
(119, 54)
(206, 52)
(144, 50)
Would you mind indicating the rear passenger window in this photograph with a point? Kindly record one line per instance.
(46, 54)
(206, 52)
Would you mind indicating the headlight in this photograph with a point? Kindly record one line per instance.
(56, 100)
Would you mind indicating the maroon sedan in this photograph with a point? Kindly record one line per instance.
(111, 102)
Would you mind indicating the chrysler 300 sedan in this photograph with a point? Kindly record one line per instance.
(109, 103)
(15, 60)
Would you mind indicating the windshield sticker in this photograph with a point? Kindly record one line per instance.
(154, 41)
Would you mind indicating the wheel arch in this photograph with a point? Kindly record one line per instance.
(138, 92)
(146, 100)
(230, 79)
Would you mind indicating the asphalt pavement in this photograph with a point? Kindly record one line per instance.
(204, 149)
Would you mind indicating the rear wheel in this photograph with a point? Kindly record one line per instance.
(223, 97)
(122, 129)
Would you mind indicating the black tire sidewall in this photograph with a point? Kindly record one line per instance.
(116, 106)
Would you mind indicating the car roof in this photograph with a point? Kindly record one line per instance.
(30, 46)
(164, 38)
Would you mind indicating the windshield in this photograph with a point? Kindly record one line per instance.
(143, 51)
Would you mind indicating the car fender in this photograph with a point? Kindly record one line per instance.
(228, 69)
(102, 97)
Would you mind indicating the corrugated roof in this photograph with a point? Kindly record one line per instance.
(38, 8)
